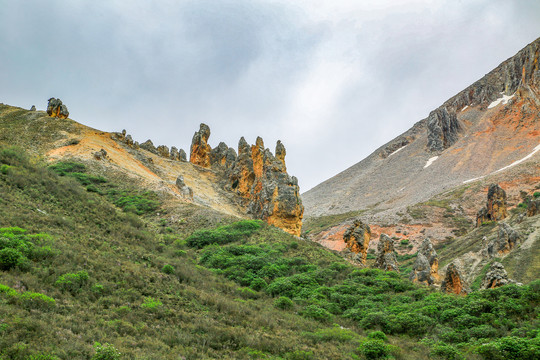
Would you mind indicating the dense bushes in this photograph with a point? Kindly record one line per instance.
(224, 234)
(17, 248)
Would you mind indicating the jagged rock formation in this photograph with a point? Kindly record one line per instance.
(533, 207)
(496, 208)
(426, 266)
(496, 276)
(454, 281)
(185, 190)
(386, 257)
(504, 243)
(357, 238)
(182, 156)
(223, 156)
(55, 108)
(33, 108)
(174, 155)
(200, 150)
(148, 145)
(443, 129)
(163, 151)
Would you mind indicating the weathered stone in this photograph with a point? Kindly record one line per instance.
(129, 140)
(101, 154)
(386, 257)
(33, 108)
(182, 156)
(504, 243)
(496, 276)
(280, 152)
(443, 129)
(357, 238)
(174, 153)
(454, 280)
(496, 207)
(163, 151)
(533, 207)
(55, 108)
(426, 266)
(222, 156)
(200, 150)
(185, 191)
(148, 145)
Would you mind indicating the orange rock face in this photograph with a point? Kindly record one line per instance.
(200, 150)
(55, 108)
(454, 281)
(357, 238)
(426, 266)
(496, 208)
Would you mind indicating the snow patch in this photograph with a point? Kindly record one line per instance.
(504, 100)
(430, 161)
(401, 148)
(466, 106)
(535, 150)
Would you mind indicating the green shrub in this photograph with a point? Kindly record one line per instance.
(510, 348)
(316, 312)
(283, 303)
(335, 333)
(105, 352)
(378, 335)
(447, 352)
(374, 349)
(42, 357)
(4, 169)
(10, 258)
(536, 194)
(72, 282)
(168, 269)
(151, 303)
(223, 234)
(299, 355)
(32, 300)
(134, 202)
(404, 242)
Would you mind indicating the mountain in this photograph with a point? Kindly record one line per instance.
(490, 129)
(112, 249)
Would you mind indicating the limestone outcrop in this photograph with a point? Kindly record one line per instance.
(504, 243)
(148, 145)
(200, 150)
(163, 151)
(357, 238)
(55, 108)
(443, 129)
(533, 207)
(426, 266)
(386, 257)
(185, 191)
(223, 156)
(454, 280)
(496, 207)
(496, 276)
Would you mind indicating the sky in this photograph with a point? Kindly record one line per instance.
(333, 80)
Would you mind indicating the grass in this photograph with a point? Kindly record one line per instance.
(220, 298)
(315, 225)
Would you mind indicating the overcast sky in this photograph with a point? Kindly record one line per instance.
(332, 79)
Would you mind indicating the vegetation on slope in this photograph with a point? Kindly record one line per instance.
(110, 284)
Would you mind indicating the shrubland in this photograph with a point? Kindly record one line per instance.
(93, 269)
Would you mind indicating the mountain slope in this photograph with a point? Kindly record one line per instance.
(484, 129)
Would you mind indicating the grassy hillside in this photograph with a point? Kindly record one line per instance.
(91, 269)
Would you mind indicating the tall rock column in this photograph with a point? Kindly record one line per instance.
(386, 258)
(454, 280)
(200, 150)
(357, 238)
(426, 266)
(496, 208)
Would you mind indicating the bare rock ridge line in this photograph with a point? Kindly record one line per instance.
(258, 177)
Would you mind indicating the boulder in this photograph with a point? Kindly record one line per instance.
(55, 108)
(163, 151)
(148, 145)
(496, 207)
(101, 154)
(185, 191)
(174, 153)
(454, 280)
(496, 276)
(443, 129)
(426, 266)
(357, 238)
(182, 156)
(200, 150)
(33, 108)
(533, 207)
(386, 256)
(506, 240)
